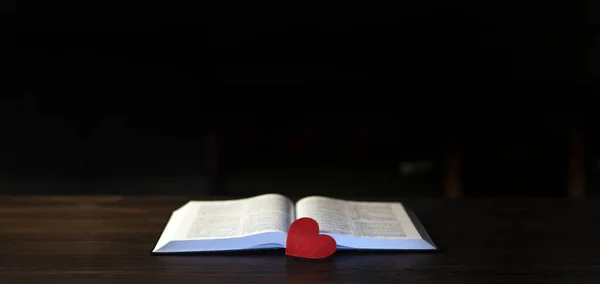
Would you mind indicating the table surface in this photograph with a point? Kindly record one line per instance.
(108, 239)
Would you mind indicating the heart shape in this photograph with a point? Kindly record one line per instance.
(304, 240)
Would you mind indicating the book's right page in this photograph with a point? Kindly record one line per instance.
(366, 225)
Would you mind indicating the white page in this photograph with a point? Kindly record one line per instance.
(381, 220)
(207, 220)
(171, 228)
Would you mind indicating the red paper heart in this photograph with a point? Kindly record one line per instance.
(304, 240)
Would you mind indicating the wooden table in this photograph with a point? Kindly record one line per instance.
(108, 240)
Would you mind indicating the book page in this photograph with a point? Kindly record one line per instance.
(359, 219)
(236, 218)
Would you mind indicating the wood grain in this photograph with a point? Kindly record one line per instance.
(108, 239)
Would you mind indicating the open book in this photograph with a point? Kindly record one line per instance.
(261, 222)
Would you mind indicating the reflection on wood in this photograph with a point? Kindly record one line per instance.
(452, 184)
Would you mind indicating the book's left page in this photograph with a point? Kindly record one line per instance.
(251, 223)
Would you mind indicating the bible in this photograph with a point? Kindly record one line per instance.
(262, 222)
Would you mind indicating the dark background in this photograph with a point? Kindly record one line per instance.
(298, 97)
